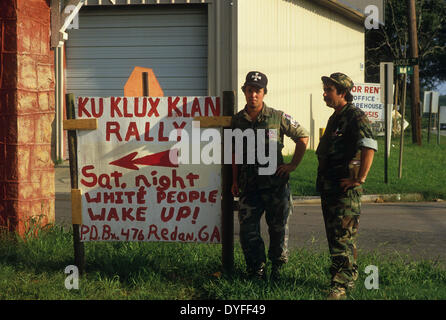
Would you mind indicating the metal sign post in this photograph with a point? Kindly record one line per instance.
(438, 126)
(145, 84)
(430, 117)
(403, 111)
(386, 81)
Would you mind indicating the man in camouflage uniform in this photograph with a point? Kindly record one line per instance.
(269, 193)
(345, 154)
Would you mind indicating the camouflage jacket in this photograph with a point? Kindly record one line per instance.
(339, 148)
(268, 118)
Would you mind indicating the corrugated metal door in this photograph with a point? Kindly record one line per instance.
(110, 42)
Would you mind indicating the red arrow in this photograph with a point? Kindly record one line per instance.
(160, 159)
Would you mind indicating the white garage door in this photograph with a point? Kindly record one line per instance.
(110, 42)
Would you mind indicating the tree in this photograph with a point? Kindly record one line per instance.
(391, 41)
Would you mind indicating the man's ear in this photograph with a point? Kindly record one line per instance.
(342, 94)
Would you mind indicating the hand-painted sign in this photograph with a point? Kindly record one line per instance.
(133, 186)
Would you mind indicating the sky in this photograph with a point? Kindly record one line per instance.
(442, 89)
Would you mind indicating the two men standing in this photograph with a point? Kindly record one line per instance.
(345, 154)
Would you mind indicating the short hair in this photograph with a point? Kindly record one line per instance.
(265, 90)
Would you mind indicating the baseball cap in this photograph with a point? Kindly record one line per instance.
(256, 79)
(341, 79)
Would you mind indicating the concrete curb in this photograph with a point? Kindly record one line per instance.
(369, 198)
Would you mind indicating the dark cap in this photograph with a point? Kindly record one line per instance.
(256, 79)
(341, 79)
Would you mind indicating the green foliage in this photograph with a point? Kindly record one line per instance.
(391, 41)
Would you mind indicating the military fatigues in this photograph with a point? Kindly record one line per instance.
(339, 157)
(269, 193)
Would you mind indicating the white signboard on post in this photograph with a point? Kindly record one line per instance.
(443, 118)
(366, 96)
(386, 82)
(134, 186)
(427, 101)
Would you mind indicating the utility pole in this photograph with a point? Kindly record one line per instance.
(415, 78)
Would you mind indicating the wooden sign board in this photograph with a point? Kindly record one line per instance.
(135, 184)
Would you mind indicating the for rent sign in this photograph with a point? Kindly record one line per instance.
(367, 97)
(133, 186)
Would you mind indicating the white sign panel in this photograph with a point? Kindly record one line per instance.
(366, 96)
(443, 118)
(427, 101)
(134, 188)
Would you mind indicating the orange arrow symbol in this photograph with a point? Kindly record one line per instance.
(160, 159)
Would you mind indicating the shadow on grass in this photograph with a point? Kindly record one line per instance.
(41, 249)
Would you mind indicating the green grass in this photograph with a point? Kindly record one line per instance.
(33, 268)
(423, 170)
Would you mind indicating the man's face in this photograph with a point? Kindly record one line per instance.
(331, 96)
(254, 96)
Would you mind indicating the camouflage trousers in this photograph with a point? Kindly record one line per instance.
(276, 205)
(341, 217)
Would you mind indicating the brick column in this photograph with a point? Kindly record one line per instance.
(26, 114)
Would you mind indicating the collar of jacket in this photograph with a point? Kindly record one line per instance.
(265, 112)
(344, 108)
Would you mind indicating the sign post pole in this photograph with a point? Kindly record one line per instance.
(227, 201)
(79, 253)
(396, 100)
(430, 117)
(386, 80)
(386, 121)
(145, 84)
(403, 112)
(438, 126)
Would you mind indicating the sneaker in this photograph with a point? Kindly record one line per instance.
(337, 293)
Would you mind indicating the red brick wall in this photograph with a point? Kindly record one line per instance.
(8, 122)
(26, 114)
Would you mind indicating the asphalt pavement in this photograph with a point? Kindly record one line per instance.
(416, 229)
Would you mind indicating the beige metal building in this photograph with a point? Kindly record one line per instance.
(204, 47)
(294, 43)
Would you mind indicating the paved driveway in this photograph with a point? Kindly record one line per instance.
(417, 229)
